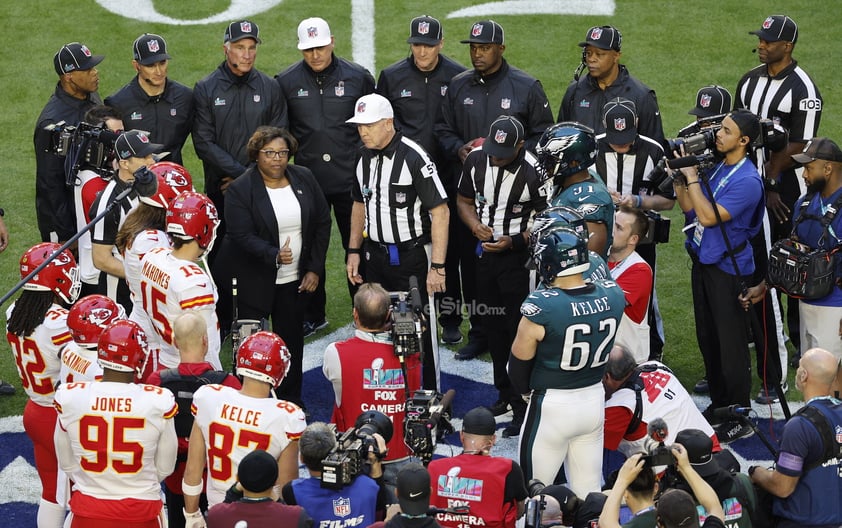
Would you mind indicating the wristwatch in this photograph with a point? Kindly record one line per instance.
(772, 185)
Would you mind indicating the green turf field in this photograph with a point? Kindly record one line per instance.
(675, 47)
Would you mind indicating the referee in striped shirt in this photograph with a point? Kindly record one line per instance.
(399, 220)
(134, 150)
(499, 193)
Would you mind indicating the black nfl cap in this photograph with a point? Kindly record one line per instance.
(485, 32)
(240, 30)
(424, 30)
(149, 49)
(75, 56)
(603, 37)
(777, 27)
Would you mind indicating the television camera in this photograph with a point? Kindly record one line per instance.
(408, 320)
(350, 455)
(427, 421)
(84, 146)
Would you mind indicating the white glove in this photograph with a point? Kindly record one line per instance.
(194, 520)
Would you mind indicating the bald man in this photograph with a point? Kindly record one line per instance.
(190, 336)
(805, 478)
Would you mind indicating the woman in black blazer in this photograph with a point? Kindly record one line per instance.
(276, 244)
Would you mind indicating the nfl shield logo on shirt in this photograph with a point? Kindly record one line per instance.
(342, 507)
(173, 112)
(839, 434)
(340, 89)
(443, 91)
(505, 103)
(400, 197)
(256, 98)
(619, 124)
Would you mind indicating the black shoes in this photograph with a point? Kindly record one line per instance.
(469, 351)
(6, 389)
(733, 430)
(701, 387)
(450, 335)
(311, 328)
(499, 408)
(767, 397)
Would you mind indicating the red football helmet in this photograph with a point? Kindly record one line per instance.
(123, 347)
(60, 276)
(89, 316)
(173, 179)
(192, 215)
(263, 356)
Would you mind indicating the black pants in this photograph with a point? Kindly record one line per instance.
(763, 323)
(286, 322)
(722, 334)
(413, 262)
(502, 285)
(175, 507)
(314, 303)
(460, 284)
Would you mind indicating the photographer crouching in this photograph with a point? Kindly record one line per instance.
(369, 373)
(358, 497)
(723, 206)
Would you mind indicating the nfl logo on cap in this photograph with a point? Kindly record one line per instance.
(704, 102)
(476, 30)
(768, 23)
(153, 46)
(143, 138)
(361, 107)
(312, 32)
(619, 123)
(596, 33)
(245, 27)
(423, 28)
(500, 136)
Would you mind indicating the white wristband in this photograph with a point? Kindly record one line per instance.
(188, 489)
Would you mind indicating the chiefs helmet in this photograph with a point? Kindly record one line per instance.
(60, 276)
(564, 149)
(557, 216)
(263, 356)
(123, 347)
(559, 252)
(173, 179)
(192, 216)
(89, 316)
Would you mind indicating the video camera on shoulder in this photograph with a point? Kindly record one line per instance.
(658, 231)
(87, 146)
(407, 320)
(535, 505)
(350, 456)
(427, 421)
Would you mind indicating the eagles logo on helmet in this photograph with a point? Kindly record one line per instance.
(565, 149)
(60, 276)
(263, 356)
(89, 316)
(560, 252)
(123, 347)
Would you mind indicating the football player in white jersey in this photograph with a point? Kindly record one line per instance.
(229, 424)
(170, 280)
(86, 320)
(116, 439)
(143, 230)
(36, 327)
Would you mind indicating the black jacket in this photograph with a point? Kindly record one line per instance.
(319, 104)
(474, 102)
(228, 109)
(53, 197)
(250, 247)
(417, 96)
(167, 117)
(584, 99)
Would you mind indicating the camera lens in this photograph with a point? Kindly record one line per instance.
(534, 487)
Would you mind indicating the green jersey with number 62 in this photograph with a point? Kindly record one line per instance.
(579, 329)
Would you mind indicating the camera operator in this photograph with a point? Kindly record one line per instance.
(561, 507)
(367, 374)
(724, 205)
(413, 507)
(675, 508)
(75, 94)
(625, 161)
(493, 487)
(89, 182)
(636, 485)
(355, 504)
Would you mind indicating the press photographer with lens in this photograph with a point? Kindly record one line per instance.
(361, 494)
(557, 505)
(723, 207)
(368, 372)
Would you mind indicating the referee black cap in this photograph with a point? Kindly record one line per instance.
(504, 136)
(776, 28)
(603, 37)
(819, 148)
(711, 100)
(424, 30)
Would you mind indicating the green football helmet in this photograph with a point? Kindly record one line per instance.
(559, 252)
(564, 149)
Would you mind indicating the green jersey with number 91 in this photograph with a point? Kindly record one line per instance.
(579, 329)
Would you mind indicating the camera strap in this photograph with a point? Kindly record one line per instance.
(825, 220)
